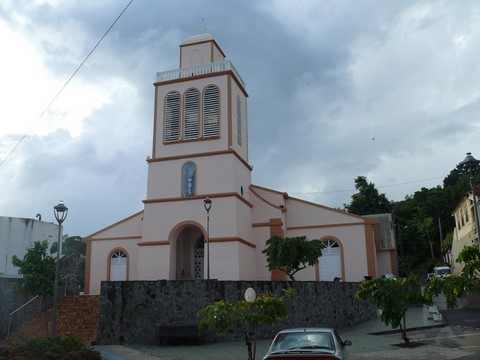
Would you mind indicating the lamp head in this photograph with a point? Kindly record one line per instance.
(60, 211)
(207, 203)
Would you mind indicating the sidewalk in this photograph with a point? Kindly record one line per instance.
(365, 345)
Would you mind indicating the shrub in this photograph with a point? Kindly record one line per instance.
(63, 347)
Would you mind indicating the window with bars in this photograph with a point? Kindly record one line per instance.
(172, 117)
(191, 116)
(211, 111)
(239, 121)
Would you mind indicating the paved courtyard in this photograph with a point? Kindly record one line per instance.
(437, 340)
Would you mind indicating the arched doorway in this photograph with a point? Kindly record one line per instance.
(330, 263)
(189, 254)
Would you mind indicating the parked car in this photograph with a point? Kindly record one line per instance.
(389, 276)
(307, 343)
(439, 271)
(442, 270)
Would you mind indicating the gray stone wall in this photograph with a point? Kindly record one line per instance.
(129, 310)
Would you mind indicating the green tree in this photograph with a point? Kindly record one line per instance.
(470, 257)
(245, 316)
(368, 200)
(292, 254)
(38, 270)
(452, 287)
(393, 298)
(455, 286)
(74, 245)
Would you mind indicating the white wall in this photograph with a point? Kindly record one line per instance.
(17, 235)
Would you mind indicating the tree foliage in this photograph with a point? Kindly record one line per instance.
(62, 347)
(470, 257)
(368, 200)
(292, 254)
(37, 268)
(245, 316)
(73, 245)
(452, 286)
(455, 286)
(393, 298)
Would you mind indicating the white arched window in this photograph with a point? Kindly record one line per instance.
(172, 117)
(211, 111)
(191, 115)
(118, 266)
(330, 263)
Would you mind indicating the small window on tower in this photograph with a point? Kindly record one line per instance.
(188, 179)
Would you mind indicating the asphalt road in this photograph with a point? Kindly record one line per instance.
(462, 317)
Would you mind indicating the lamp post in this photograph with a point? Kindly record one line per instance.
(470, 164)
(207, 204)
(60, 212)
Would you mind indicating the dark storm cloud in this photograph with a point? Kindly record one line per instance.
(337, 89)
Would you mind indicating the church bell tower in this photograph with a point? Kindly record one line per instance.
(200, 150)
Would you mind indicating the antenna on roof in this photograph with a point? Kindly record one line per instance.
(203, 29)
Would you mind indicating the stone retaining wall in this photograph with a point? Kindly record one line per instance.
(129, 310)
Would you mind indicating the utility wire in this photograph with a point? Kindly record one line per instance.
(353, 190)
(65, 85)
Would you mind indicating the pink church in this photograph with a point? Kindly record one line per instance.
(200, 150)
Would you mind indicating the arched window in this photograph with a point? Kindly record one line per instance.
(172, 117)
(211, 111)
(330, 263)
(118, 266)
(188, 179)
(239, 121)
(191, 115)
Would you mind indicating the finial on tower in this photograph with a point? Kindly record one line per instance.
(203, 29)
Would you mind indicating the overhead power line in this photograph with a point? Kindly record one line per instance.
(378, 187)
(65, 85)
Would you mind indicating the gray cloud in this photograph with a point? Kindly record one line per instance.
(324, 79)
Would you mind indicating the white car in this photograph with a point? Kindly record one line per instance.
(307, 343)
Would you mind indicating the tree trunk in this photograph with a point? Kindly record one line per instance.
(431, 245)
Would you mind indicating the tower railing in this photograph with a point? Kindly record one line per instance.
(219, 66)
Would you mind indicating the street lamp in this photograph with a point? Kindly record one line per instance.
(60, 212)
(470, 164)
(207, 204)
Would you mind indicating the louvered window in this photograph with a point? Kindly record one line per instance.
(172, 117)
(191, 117)
(211, 111)
(239, 121)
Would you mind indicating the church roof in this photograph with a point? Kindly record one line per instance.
(197, 38)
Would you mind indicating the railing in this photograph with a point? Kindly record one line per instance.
(212, 68)
(15, 311)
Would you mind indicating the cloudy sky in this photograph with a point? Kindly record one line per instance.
(389, 90)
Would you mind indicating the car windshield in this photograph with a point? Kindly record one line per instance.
(443, 271)
(304, 340)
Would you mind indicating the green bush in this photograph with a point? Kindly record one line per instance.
(63, 347)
